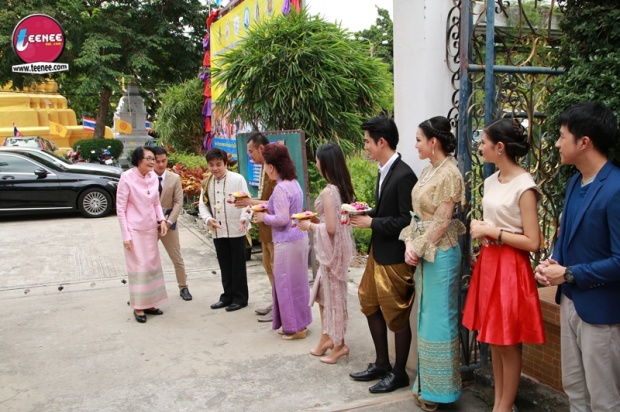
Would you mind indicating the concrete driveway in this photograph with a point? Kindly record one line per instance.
(69, 342)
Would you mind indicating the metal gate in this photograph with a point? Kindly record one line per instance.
(500, 54)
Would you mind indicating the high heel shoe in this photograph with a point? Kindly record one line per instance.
(297, 335)
(324, 348)
(425, 405)
(335, 356)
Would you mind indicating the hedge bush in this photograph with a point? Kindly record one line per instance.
(189, 160)
(87, 145)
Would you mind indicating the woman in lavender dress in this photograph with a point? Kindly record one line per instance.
(291, 291)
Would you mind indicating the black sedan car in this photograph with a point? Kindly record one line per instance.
(32, 181)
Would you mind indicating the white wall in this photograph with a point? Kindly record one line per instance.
(422, 81)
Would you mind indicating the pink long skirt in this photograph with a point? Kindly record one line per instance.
(147, 288)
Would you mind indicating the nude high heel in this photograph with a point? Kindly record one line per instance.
(320, 351)
(335, 356)
(297, 335)
(425, 405)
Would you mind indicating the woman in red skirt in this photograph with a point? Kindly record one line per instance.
(502, 303)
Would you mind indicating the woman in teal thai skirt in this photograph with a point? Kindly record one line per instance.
(432, 246)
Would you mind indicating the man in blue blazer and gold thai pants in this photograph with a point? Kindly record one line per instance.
(586, 261)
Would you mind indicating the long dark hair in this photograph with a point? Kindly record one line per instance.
(277, 155)
(334, 170)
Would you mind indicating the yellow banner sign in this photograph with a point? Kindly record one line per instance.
(226, 32)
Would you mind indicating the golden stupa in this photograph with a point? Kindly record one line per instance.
(33, 108)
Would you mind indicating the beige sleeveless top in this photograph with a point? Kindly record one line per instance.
(500, 203)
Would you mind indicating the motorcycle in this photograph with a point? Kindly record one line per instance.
(104, 157)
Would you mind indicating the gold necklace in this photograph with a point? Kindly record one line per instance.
(430, 174)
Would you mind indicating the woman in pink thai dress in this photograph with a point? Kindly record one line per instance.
(139, 213)
(334, 248)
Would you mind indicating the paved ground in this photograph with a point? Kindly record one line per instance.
(68, 341)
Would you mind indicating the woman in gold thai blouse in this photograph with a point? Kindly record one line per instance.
(432, 246)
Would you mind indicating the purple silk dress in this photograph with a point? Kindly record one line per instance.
(291, 290)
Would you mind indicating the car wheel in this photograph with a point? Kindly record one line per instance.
(95, 202)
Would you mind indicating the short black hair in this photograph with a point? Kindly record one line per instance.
(382, 126)
(217, 154)
(258, 139)
(158, 150)
(593, 120)
(138, 154)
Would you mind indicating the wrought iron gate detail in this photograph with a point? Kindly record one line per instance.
(500, 54)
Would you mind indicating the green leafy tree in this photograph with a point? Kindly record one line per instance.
(300, 72)
(380, 38)
(155, 42)
(179, 120)
(590, 53)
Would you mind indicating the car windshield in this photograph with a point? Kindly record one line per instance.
(23, 142)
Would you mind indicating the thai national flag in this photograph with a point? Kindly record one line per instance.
(88, 123)
(15, 131)
(149, 126)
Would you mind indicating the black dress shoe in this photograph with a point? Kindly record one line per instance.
(219, 305)
(390, 383)
(235, 306)
(153, 311)
(139, 318)
(371, 373)
(185, 294)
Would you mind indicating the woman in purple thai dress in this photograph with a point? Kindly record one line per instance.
(291, 291)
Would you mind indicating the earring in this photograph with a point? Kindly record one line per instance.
(499, 152)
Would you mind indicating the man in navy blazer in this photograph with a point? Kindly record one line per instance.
(586, 261)
(386, 291)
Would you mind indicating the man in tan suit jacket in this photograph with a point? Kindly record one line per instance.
(171, 198)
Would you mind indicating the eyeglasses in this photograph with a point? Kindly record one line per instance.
(149, 159)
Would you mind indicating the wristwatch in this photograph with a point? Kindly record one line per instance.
(568, 275)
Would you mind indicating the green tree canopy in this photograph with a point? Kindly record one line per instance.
(300, 72)
(179, 119)
(380, 38)
(590, 52)
(155, 42)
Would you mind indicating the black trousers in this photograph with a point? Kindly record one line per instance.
(231, 257)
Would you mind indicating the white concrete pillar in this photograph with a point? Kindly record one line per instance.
(422, 81)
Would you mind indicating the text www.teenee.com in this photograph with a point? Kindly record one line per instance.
(40, 68)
